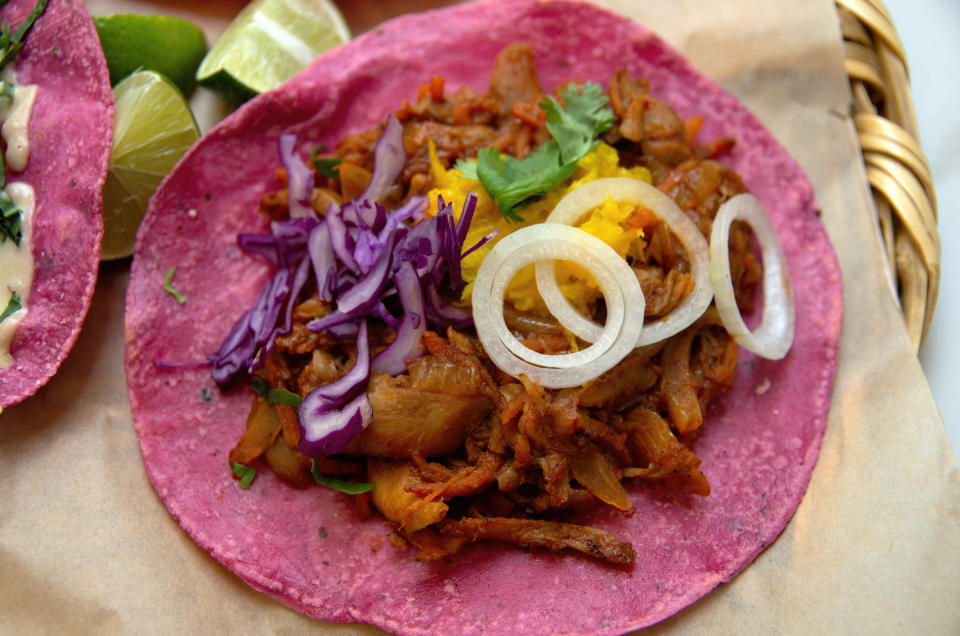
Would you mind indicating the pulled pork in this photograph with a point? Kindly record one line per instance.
(458, 450)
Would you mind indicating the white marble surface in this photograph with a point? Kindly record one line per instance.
(930, 31)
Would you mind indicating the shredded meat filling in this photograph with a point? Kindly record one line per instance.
(460, 452)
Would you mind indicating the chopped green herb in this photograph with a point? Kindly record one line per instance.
(260, 386)
(275, 396)
(347, 487)
(514, 182)
(13, 305)
(167, 287)
(282, 396)
(7, 89)
(10, 44)
(11, 219)
(325, 165)
(244, 473)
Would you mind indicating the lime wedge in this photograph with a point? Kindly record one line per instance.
(268, 42)
(153, 127)
(170, 46)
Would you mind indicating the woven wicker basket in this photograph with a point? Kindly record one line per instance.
(896, 168)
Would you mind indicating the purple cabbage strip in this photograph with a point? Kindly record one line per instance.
(299, 178)
(443, 313)
(300, 276)
(324, 261)
(361, 297)
(325, 323)
(389, 157)
(406, 345)
(466, 217)
(331, 431)
(486, 239)
(291, 237)
(327, 425)
(345, 330)
(239, 351)
(380, 311)
(343, 244)
(263, 245)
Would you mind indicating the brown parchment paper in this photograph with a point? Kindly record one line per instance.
(86, 546)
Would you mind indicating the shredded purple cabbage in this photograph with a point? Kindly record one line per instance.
(299, 178)
(368, 261)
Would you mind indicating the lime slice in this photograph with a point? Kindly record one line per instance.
(170, 46)
(153, 127)
(268, 42)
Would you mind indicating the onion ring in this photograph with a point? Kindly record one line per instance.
(772, 339)
(555, 241)
(590, 195)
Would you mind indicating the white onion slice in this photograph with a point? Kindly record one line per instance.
(623, 189)
(772, 339)
(553, 241)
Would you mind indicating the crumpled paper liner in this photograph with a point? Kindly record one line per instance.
(87, 547)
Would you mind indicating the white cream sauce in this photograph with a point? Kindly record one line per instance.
(16, 117)
(16, 261)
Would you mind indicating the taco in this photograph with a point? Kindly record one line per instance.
(50, 256)
(310, 547)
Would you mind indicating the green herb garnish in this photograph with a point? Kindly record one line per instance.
(10, 44)
(244, 473)
(11, 219)
(346, 487)
(282, 396)
(325, 165)
(275, 396)
(11, 216)
(512, 183)
(167, 287)
(13, 305)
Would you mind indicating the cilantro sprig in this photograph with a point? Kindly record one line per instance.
(11, 43)
(244, 473)
(346, 487)
(512, 183)
(13, 305)
(168, 286)
(327, 166)
(11, 216)
(275, 396)
(11, 219)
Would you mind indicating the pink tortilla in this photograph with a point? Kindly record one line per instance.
(307, 548)
(70, 131)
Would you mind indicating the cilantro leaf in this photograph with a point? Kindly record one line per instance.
(346, 487)
(11, 220)
(10, 44)
(244, 473)
(584, 118)
(325, 165)
(512, 183)
(168, 287)
(13, 305)
(468, 169)
(275, 396)
(282, 396)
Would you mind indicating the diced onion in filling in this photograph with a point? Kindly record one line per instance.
(772, 339)
(623, 189)
(548, 242)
